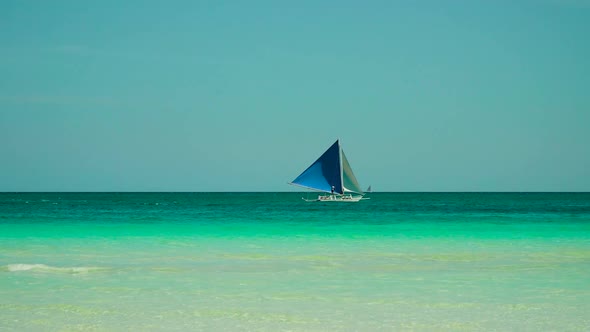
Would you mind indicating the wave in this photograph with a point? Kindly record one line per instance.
(50, 269)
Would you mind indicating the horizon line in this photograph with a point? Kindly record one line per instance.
(275, 192)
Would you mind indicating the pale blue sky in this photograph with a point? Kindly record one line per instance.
(244, 95)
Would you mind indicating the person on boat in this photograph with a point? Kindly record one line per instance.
(332, 190)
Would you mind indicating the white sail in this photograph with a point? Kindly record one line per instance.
(349, 181)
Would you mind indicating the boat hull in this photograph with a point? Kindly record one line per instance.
(336, 198)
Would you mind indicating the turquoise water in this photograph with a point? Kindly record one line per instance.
(271, 262)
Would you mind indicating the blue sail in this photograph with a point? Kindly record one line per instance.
(324, 172)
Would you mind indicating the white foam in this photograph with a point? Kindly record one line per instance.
(23, 267)
(50, 269)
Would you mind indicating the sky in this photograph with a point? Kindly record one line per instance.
(244, 95)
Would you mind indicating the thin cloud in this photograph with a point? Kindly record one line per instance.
(580, 4)
(61, 101)
(71, 49)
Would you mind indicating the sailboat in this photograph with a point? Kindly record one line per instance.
(331, 173)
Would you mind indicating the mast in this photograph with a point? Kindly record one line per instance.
(341, 169)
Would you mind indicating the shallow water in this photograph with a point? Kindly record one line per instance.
(269, 261)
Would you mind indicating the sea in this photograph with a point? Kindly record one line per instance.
(273, 262)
